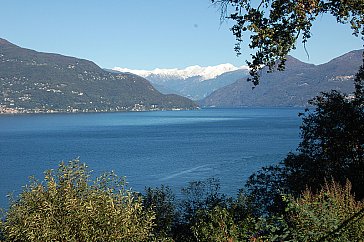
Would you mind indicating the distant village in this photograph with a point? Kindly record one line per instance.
(136, 108)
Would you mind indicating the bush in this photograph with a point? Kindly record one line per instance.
(333, 214)
(68, 206)
(216, 224)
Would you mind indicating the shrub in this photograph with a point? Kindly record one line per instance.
(68, 206)
(216, 224)
(333, 214)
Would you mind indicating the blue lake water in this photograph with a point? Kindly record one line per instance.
(149, 148)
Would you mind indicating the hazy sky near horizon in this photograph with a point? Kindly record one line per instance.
(144, 34)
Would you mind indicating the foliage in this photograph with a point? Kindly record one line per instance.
(274, 26)
(66, 206)
(232, 222)
(215, 225)
(198, 199)
(210, 216)
(332, 147)
(272, 228)
(333, 214)
(162, 202)
(235, 222)
(200, 195)
(264, 189)
(332, 143)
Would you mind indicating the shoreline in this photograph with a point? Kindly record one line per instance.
(17, 112)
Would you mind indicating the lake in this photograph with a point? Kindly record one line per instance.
(149, 148)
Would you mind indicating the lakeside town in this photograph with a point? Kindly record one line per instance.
(135, 108)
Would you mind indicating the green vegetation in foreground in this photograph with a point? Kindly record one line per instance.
(68, 206)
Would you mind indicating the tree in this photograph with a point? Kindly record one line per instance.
(233, 221)
(68, 206)
(274, 26)
(332, 145)
(161, 200)
(332, 135)
(200, 195)
(264, 189)
(198, 199)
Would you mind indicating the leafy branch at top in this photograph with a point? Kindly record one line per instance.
(274, 26)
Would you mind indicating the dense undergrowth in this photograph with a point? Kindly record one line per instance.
(68, 206)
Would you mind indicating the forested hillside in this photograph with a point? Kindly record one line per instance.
(31, 81)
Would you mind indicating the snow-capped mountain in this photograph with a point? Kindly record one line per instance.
(194, 82)
(296, 85)
(204, 73)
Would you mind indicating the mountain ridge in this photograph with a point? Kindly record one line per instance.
(34, 81)
(296, 85)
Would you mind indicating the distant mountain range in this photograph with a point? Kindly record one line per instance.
(296, 85)
(194, 82)
(32, 81)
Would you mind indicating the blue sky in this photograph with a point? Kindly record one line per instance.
(144, 34)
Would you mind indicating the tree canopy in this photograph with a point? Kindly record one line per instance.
(332, 143)
(275, 26)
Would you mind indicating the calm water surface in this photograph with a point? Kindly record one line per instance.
(149, 148)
